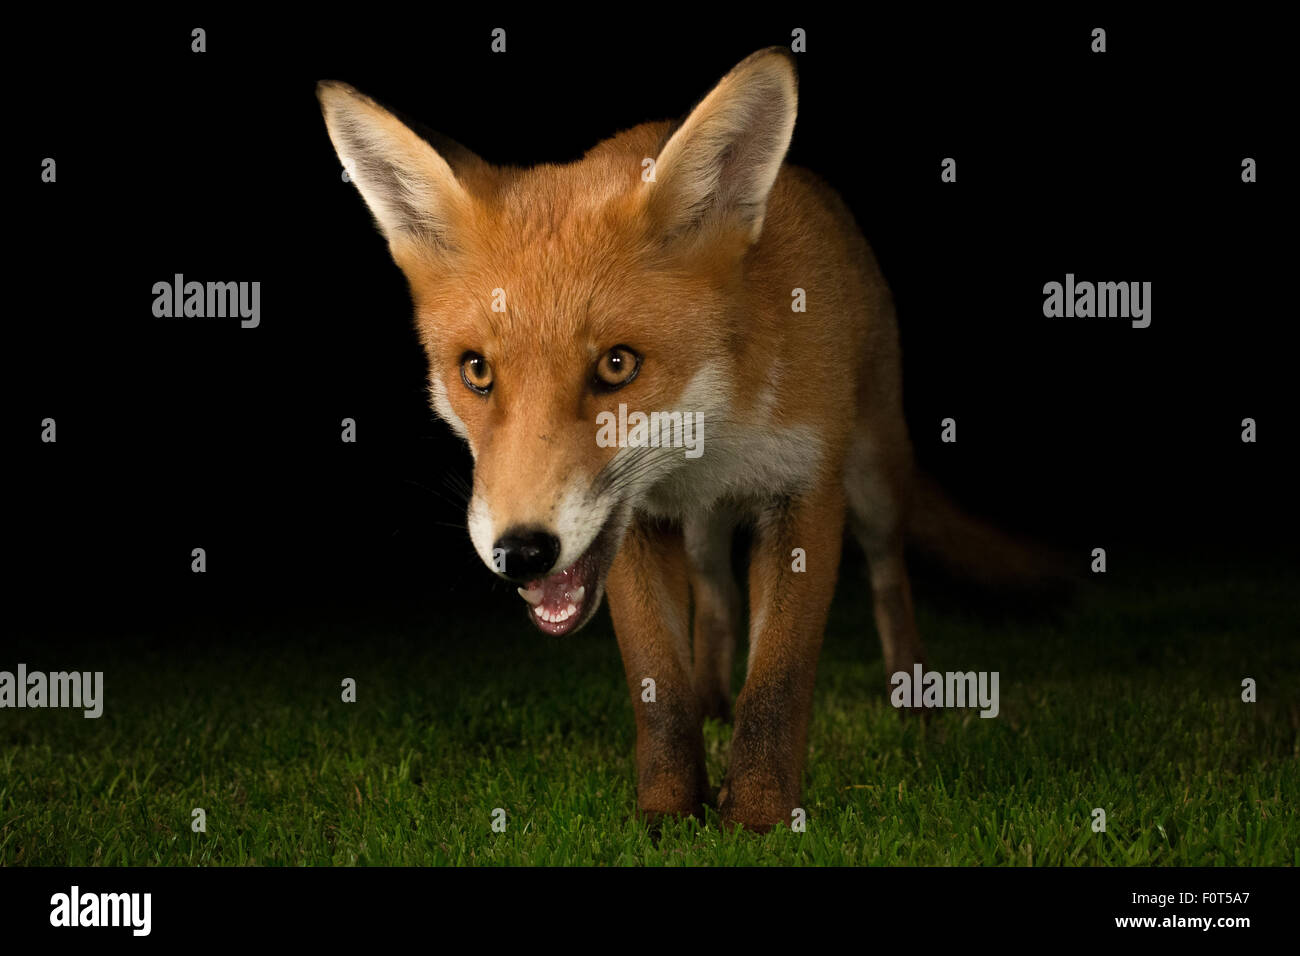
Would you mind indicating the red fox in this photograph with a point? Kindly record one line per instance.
(660, 274)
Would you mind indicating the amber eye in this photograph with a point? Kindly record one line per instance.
(617, 367)
(476, 373)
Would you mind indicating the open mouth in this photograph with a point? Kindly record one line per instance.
(563, 601)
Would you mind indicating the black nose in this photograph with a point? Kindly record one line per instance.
(527, 552)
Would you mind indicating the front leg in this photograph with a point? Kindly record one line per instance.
(649, 599)
(788, 610)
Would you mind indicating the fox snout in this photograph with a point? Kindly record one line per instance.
(556, 550)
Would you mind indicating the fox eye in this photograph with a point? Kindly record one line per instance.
(616, 368)
(476, 373)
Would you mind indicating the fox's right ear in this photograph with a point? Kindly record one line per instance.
(409, 187)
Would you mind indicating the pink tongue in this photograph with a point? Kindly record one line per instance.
(558, 590)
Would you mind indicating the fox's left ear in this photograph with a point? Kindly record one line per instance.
(717, 168)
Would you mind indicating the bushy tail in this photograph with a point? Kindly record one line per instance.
(974, 550)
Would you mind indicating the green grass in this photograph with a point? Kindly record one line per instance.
(1130, 701)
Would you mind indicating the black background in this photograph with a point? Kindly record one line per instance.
(183, 433)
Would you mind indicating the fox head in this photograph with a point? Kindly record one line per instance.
(547, 297)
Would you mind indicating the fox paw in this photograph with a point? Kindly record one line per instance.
(756, 807)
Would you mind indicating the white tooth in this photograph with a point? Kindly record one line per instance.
(572, 609)
(539, 611)
(577, 596)
(532, 597)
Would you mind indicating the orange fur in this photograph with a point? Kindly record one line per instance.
(694, 272)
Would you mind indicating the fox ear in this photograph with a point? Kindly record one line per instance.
(719, 165)
(411, 190)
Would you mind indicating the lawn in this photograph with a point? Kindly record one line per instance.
(1129, 700)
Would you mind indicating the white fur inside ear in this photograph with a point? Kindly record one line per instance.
(410, 189)
(721, 162)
